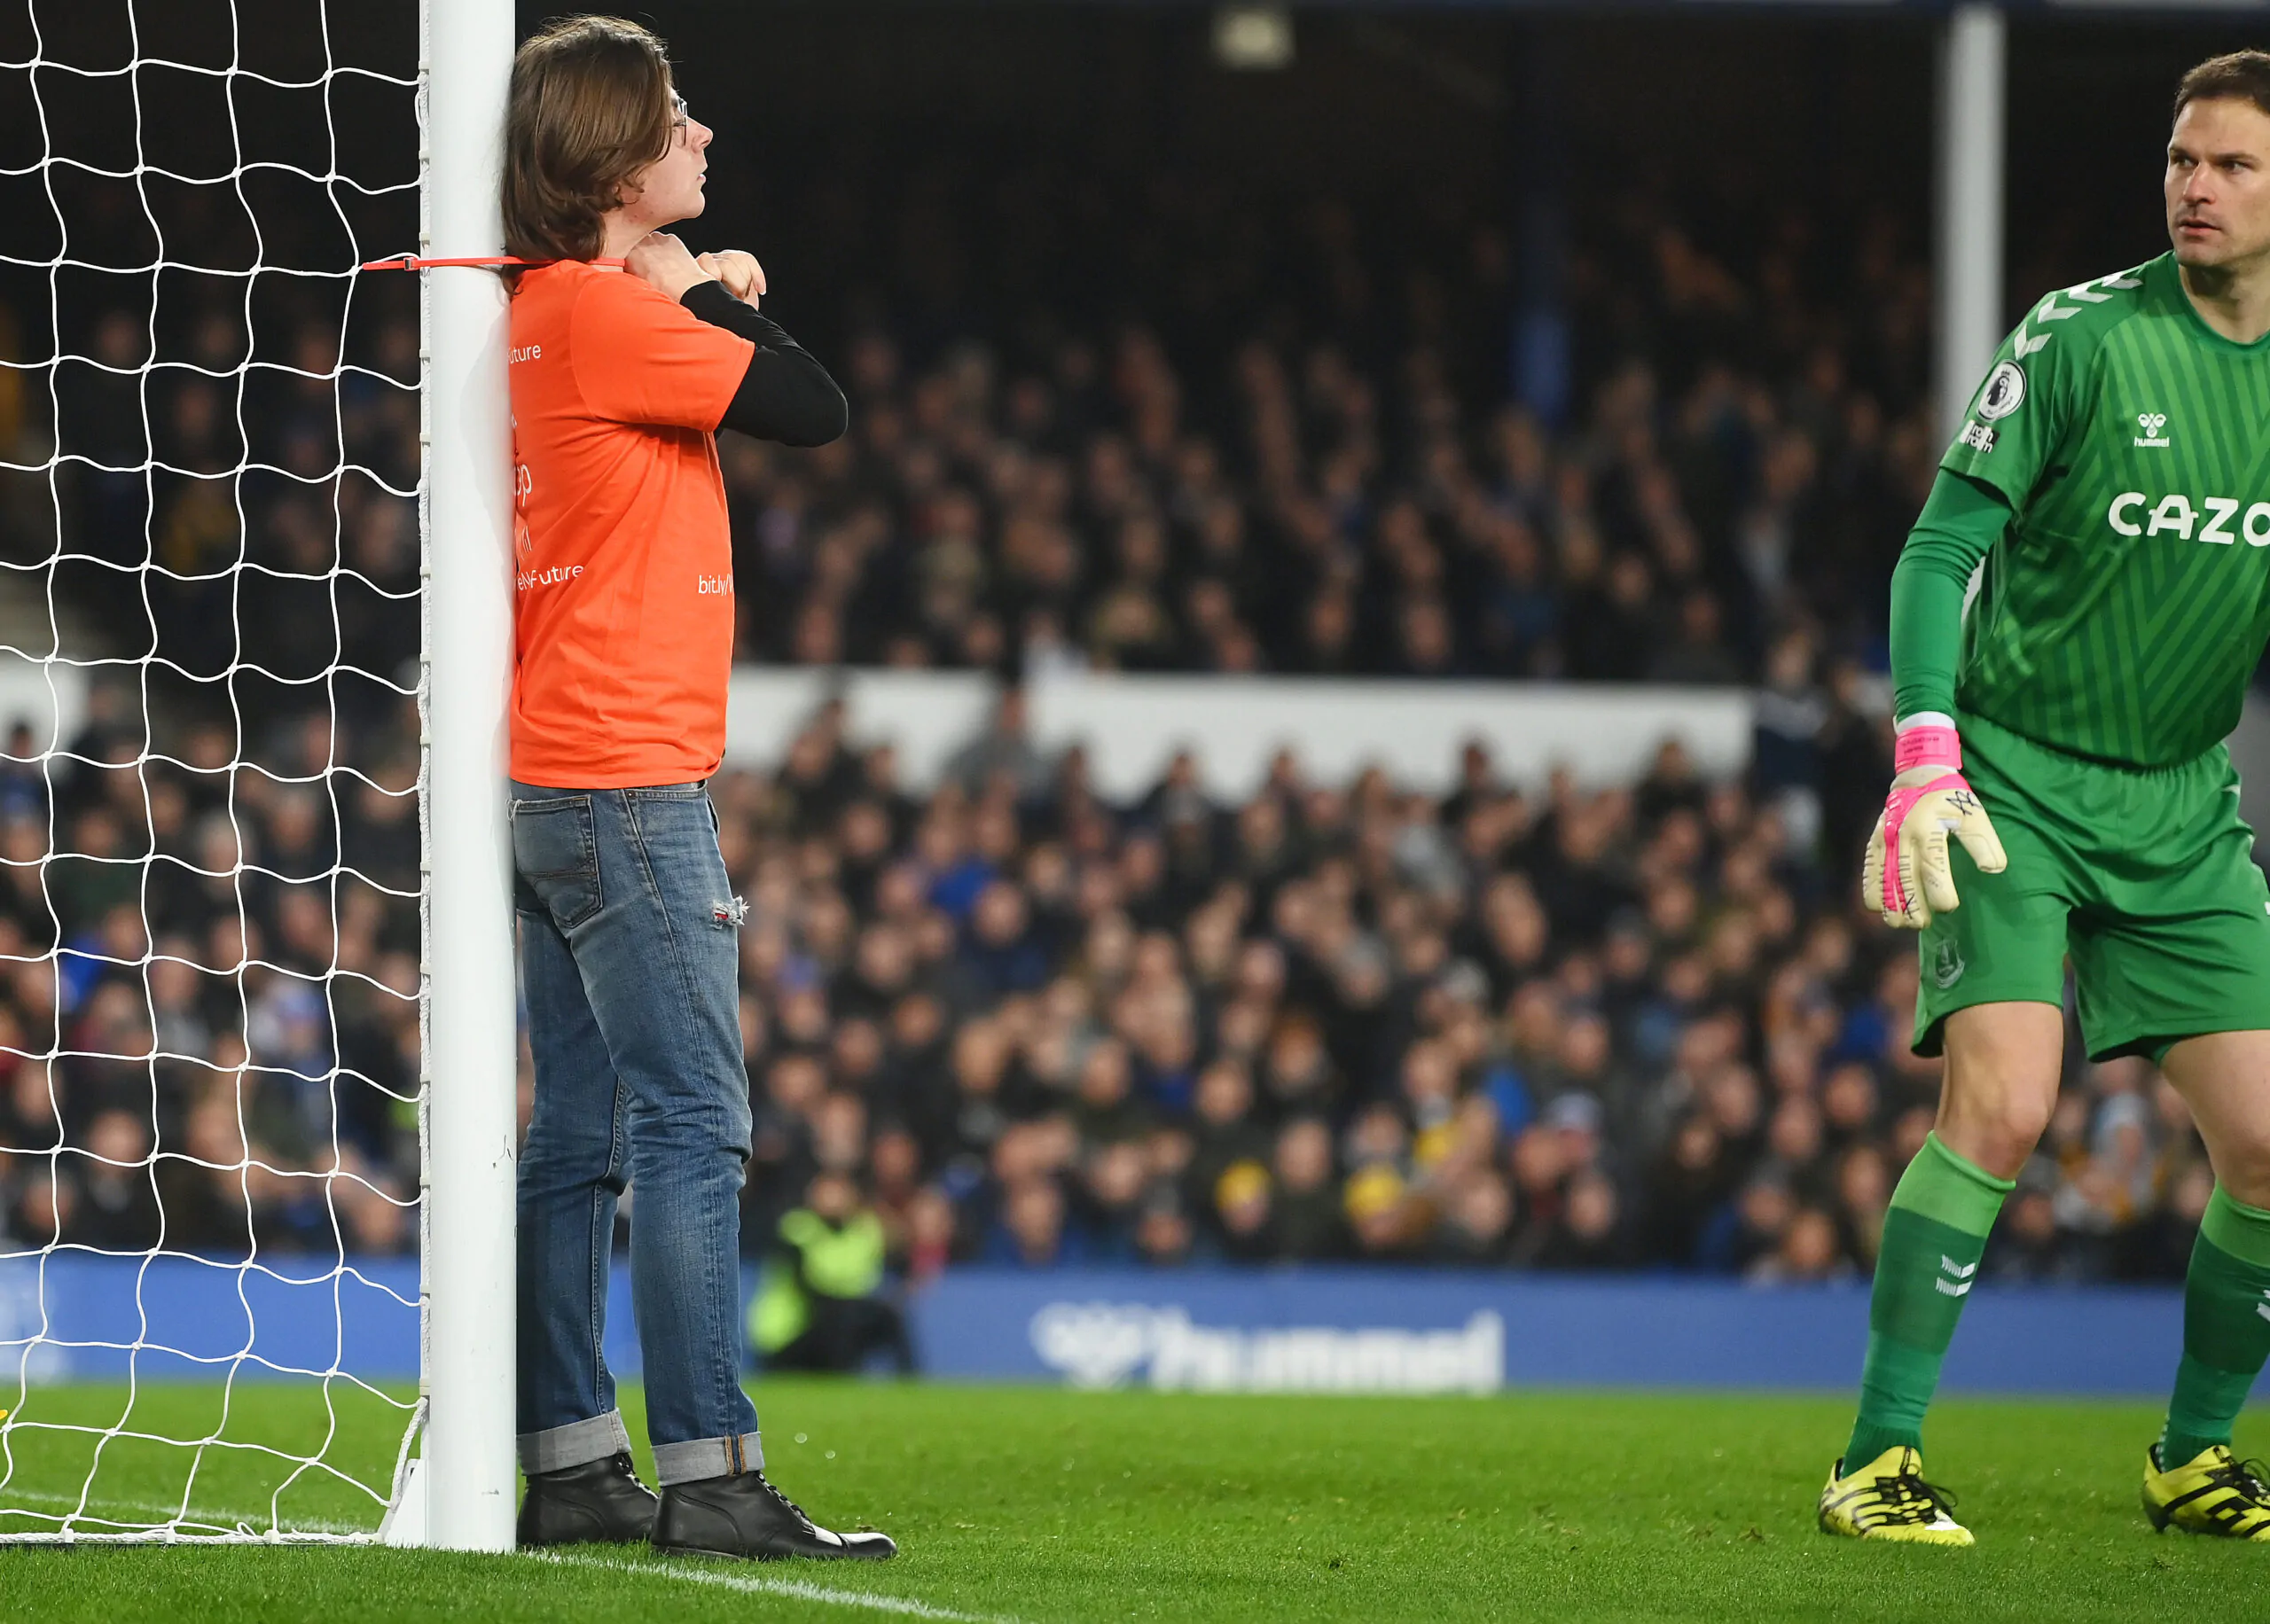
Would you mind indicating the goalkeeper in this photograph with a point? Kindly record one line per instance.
(2062, 790)
(628, 354)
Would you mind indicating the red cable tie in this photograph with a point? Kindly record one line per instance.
(411, 262)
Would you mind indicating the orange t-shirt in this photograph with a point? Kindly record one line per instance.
(623, 580)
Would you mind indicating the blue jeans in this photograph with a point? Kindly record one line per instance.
(630, 957)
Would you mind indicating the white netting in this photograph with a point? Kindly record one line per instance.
(209, 658)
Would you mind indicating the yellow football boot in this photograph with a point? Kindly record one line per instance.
(1887, 1499)
(2212, 1493)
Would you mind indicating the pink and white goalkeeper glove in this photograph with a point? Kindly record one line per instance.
(1906, 875)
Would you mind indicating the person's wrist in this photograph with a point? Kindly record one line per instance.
(1926, 743)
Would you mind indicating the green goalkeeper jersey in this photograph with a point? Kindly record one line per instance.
(2124, 609)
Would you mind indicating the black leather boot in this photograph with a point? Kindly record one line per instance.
(743, 1515)
(600, 1502)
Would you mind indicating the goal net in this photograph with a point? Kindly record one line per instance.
(212, 983)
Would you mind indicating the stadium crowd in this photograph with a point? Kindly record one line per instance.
(1634, 1026)
(1594, 1027)
(1630, 1026)
(208, 925)
(1331, 485)
(208, 991)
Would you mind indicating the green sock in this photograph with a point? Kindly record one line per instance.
(1933, 1236)
(2226, 1327)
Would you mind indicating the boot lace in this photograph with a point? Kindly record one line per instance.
(2249, 1481)
(773, 1490)
(1907, 1498)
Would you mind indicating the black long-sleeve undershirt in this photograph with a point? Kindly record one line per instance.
(785, 395)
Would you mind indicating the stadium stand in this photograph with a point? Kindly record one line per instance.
(1637, 1027)
(1314, 489)
(1625, 1028)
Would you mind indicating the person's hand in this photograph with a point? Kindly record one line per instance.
(1906, 875)
(743, 277)
(661, 260)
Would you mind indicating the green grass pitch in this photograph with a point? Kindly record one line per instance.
(1041, 1505)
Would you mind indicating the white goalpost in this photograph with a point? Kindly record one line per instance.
(469, 1137)
(258, 1001)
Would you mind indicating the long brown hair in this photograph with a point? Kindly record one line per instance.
(589, 108)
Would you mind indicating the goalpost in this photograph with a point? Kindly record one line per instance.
(172, 634)
(469, 1135)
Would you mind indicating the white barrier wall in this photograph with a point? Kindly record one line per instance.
(50, 696)
(1133, 725)
(926, 715)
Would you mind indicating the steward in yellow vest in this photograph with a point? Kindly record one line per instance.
(824, 1305)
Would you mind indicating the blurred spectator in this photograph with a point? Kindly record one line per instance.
(823, 1305)
(1003, 754)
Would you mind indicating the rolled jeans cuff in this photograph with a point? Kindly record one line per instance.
(707, 1457)
(576, 1444)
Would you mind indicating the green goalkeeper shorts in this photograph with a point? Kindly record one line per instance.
(2145, 876)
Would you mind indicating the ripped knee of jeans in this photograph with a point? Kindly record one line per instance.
(732, 912)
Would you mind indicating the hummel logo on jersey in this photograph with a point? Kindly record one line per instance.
(1960, 1284)
(2154, 426)
(2135, 514)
